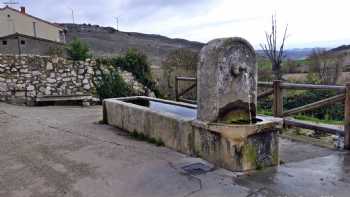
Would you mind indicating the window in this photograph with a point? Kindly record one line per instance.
(4, 42)
(8, 16)
(23, 42)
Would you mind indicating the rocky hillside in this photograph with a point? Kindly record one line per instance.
(107, 41)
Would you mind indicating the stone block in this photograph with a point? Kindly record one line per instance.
(20, 94)
(227, 80)
(23, 70)
(49, 66)
(42, 89)
(20, 86)
(51, 80)
(87, 87)
(30, 88)
(234, 147)
(66, 79)
(85, 81)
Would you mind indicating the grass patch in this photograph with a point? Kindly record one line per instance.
(265, 112)
(145, 138)
(305, 118)
(316, 120)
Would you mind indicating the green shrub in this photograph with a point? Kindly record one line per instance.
(297, 99)
(78, 50)
(111, 85)
(136, 63)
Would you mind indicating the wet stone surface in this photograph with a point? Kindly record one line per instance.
(45, 154)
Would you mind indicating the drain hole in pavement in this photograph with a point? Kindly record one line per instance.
(196, 168)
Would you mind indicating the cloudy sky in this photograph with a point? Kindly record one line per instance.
(311, 23)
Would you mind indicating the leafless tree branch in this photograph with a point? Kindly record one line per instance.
(271, 50)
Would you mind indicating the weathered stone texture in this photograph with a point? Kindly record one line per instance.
(234, 147)
(28, 77)
(24, 78)
(227, 80)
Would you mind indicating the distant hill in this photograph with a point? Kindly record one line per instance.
(293, 54)
(342, 48)
(344, 52)
(107, 41)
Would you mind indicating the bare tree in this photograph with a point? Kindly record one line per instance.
(271, 51)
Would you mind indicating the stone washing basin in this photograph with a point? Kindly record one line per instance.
(237, 147)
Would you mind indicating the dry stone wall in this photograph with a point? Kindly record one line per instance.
(23, 78)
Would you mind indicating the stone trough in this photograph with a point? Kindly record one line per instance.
(224, 129)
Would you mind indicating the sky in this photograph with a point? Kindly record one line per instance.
(311, 23)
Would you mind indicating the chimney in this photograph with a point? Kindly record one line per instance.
(23, 9)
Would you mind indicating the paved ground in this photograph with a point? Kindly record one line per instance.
(63, 152)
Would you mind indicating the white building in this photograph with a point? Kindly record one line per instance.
(13, 21)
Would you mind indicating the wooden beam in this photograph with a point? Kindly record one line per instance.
(187, 90)
(265, 84)
(186, 78)
(277, 105)
(315, 105)
(265, 94)
(315, 127)
(347, 117)
(302, 86)
(187, 100)
(63, 98)
(311, 86)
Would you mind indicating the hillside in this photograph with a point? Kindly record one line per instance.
(106, 41)
(343, 48)
(292, 54)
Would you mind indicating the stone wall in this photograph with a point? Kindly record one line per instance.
(23, 78)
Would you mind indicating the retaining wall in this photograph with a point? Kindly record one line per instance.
(23, 78)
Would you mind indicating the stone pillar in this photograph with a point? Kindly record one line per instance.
(227, 81)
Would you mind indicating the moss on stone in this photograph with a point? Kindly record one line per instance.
(235, 117)
(275, 158)
(250, 154)
(146, 138)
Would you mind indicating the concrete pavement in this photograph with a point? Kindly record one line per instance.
(62, 151)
